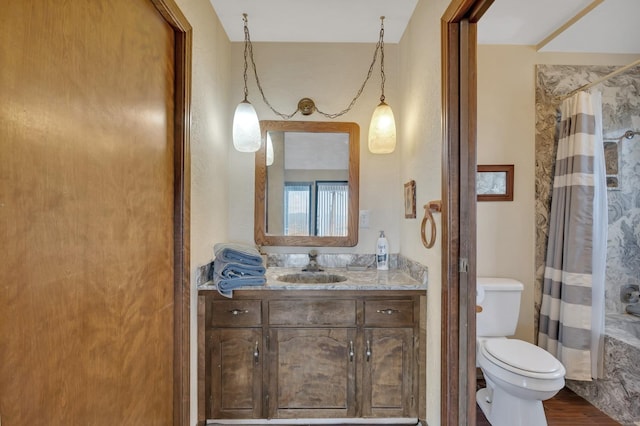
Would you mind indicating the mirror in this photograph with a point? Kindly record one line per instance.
(306, 184)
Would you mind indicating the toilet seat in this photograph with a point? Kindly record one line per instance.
(522, 358)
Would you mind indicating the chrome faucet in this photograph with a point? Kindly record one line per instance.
(313, 263)
(630, 293)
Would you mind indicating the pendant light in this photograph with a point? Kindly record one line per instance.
(270, 157)
(382, 129)
(246, 126)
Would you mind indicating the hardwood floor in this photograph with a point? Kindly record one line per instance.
(565, 409)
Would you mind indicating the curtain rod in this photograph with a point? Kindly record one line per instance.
(601, 79)
(629, 134)
(569, 23)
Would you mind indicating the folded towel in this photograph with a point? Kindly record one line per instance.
(226, 285)
(237, 266)
(240, 253)
(230, 270)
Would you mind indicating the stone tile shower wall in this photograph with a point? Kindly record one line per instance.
(621, 112)
(616, 394)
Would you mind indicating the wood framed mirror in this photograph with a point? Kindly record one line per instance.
(307, 184)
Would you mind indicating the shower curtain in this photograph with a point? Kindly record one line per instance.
(572, 311)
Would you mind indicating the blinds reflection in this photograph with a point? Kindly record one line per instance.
(331, 209)
(297, 207)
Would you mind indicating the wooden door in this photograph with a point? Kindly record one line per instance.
(312, 372)
(388, 373)
(92, 195)
(458, 370)
(235, 362)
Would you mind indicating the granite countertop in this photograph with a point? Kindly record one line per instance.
(370, 279)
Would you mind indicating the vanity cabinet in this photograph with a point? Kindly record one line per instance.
(391, 346)
(312, 374)
(312, 370)
(234, 359)
(312, 354)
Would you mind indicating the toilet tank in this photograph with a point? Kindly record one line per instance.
(499, 299)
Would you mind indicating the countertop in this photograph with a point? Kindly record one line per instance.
(371, 279)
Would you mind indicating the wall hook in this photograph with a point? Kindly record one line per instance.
(431, 207)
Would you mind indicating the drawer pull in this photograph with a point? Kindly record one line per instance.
(351, 352)
(368, 350)
(238, 311)
(388, 311)
(256, 353)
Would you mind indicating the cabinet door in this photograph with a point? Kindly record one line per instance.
(388, 380)
(312, 372)
(235, 362)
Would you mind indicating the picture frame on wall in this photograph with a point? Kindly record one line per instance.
(495, 182)
(410, 200)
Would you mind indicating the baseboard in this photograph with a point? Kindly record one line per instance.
(321, 422)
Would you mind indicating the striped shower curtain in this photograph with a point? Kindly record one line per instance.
(572, 311)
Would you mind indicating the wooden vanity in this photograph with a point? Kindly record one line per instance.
(284, 354)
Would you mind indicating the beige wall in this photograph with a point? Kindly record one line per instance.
(222, 179)
(506, 135)
(330, 74)
(210, 133)
(419, 121)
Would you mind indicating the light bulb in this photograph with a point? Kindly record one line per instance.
(382, 130)
(246, 128)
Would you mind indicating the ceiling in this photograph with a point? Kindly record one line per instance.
(611, 27)
(332, 21)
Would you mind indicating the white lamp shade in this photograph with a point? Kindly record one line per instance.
(269, 150)
(382, 130)
(246, 128)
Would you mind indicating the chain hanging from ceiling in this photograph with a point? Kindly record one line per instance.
(306, 106)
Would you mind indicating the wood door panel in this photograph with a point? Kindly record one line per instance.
(312, 372)
(388, 372)
(236, 373)
(87, 217)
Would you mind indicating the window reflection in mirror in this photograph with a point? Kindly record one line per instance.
(314, 208)
(307, 193)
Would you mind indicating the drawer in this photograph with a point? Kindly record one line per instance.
(310, 313)
(236, 313)
(388, 313)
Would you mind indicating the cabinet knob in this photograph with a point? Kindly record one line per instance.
(388, 311)
(368, 353)
(256, 353)
(351, 352)
(238, 311)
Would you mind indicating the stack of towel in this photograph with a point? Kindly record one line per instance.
(237, 265)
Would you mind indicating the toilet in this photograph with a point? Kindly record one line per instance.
(519, 375)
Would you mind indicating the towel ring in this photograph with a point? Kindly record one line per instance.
(431, 206)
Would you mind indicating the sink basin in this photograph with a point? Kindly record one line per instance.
(312, 278)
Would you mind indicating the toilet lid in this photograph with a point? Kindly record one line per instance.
(522, 355)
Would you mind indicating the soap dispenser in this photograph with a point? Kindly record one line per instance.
(382, 252)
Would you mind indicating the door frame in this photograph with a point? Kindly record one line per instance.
(181, 197)
(459, 110)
